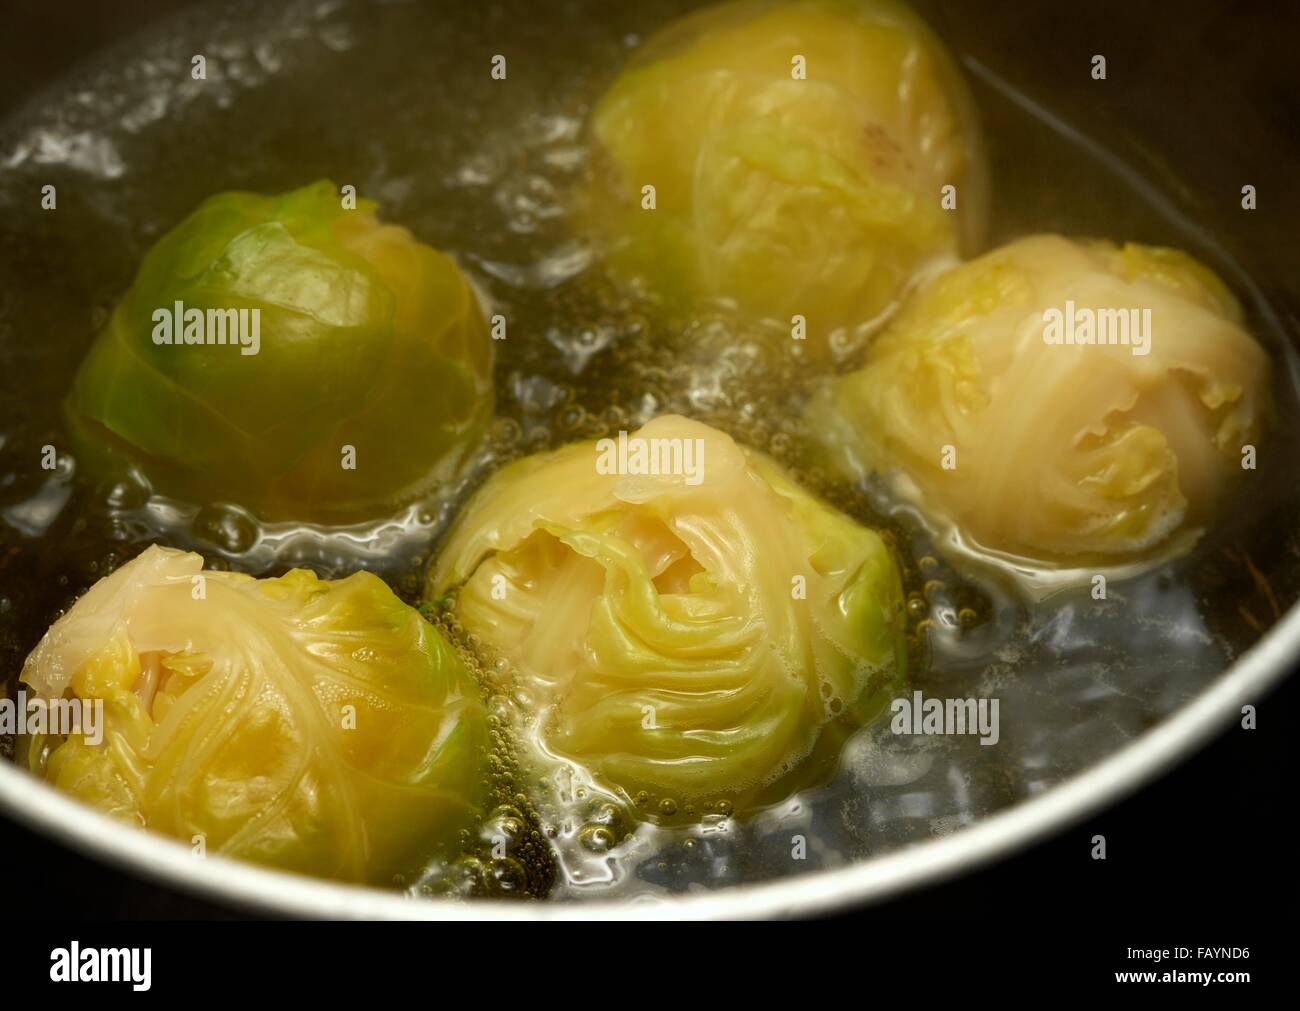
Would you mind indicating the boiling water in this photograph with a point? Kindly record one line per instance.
(397, 100)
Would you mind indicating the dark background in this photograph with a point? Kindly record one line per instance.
(1203, 845)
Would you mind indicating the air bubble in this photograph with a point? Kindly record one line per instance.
(227, 527)
(506, 433)
(507, 876)
(125, 493)
(571, 418)
(506, 820)
(597, 838)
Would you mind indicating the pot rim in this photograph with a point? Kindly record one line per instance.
(40, 807)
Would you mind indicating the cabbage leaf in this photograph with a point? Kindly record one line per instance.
(817, 195)
(315, 726)
(368, 339)
(1069, 453)
(684, 638)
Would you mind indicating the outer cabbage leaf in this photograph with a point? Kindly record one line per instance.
(1063, 453)
(369, 339)
(661, 625)
(322, 727)
(819, 197)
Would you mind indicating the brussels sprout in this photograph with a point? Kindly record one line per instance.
(1061, 401)
(691, 622)
(819, 196)
(321, 727)
(366, 339)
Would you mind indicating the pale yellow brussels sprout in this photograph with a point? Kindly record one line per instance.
(1067, 402)
(315, 726)
(798, 152)
(691, 623)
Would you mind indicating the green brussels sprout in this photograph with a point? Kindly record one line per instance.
(362, 380)
(1066, 402)
(315, 726)
(799, 153)
(691, 624)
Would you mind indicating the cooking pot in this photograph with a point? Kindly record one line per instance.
(1196, 104)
